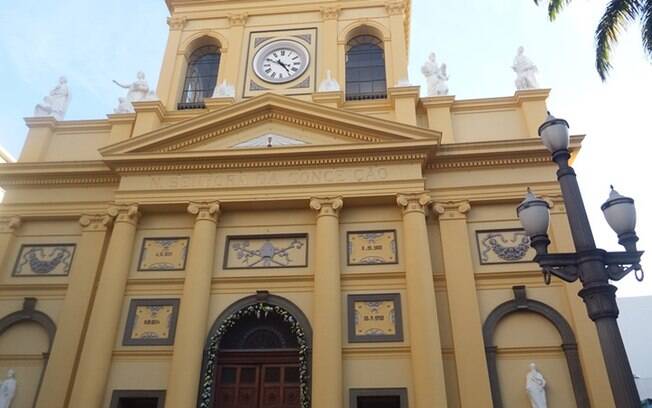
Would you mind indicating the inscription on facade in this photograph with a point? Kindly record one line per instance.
(271, 178)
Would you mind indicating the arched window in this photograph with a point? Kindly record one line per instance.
(201, 77)
(365, 69)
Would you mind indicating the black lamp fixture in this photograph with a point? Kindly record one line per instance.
(592, 266)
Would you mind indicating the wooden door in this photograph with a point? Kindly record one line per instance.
(258, 380)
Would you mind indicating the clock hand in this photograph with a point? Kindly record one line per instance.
(283, 65)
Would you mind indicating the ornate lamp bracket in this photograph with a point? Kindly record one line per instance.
(619, 264)
(563, 266)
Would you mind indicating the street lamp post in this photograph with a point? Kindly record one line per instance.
(592, 266)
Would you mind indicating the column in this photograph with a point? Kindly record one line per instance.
(57, 380)
(470, 358)
(185, 371)
(166, 85)
(8, 227)
(590, 352)
(95, 359)
(425, 343)
(327, 308)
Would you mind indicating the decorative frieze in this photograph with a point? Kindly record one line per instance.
(44, 260)
(266, 251)
(151, 322)
(375, 317)
(371, 247)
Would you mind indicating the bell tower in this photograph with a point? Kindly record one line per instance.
(246, 48)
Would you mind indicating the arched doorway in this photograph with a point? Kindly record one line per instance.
(257, 355)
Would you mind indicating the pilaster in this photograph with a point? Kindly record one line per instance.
(166, 86)
(404, 99)
(149, 115)
(470, 360)
(38, 138)
(331, 57)
(57, 379)
(95, 360)
(396, 11)
(8, 227)
(232, 70)
(439, 115)
(425, 341)
(327, 391)
(533, 106)
(185, 370)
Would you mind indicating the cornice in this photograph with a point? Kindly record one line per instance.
(505, 102)
(56, 173)
(94, 125)
(496, 154)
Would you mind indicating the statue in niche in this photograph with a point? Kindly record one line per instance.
(8, 389)
(525, 71)
(436, 76)
(224, 90)
(329, 84)
(138, 90)
(535, 385)
(56, 103)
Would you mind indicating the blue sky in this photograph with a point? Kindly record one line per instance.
(93, 42)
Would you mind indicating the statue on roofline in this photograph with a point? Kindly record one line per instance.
(436, 76)
(56, 103)
(525, 71)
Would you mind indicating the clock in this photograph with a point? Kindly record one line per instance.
(281, 61)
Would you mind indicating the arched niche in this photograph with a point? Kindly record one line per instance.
(521, 304)
(260, 303)
(30, 333)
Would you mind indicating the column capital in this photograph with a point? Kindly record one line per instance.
(413, 202)
(452, 210)
(127, 213)
(206, 210)
(327, 206)
(238, 19)
(330, 13)
(95, 222)
(177, 23)
(555, 203)
(10, 224)
(395, 7)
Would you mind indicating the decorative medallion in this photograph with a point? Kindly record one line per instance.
(372, 247)
(266, 251)
(163, 254)
(151, 322)
(44, 260)
(375, 317)
(504, 246)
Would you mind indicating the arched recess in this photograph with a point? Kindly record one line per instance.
(365, 27)
(29, 314)
(521, 304)
(251, 305)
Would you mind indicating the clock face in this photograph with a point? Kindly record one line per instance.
(281, 61)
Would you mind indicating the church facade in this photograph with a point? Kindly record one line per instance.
(288, 224)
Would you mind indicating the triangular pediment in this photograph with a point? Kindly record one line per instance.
(247, 125)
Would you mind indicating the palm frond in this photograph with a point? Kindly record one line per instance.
(616, 17)
(646, 26)
(555, 7)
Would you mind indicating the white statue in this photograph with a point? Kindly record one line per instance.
(55, 104)
(329, 84)
(8, 389)
(525, 71)
(436, 76)
(535, 385)
(124, 106)
(224, 90)
(139, 90)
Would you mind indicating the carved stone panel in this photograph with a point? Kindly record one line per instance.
(163, 254)
(375, 318)
(151, 322)
(504, 246)
(44, 260)
(266, 251)
(371, 247)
